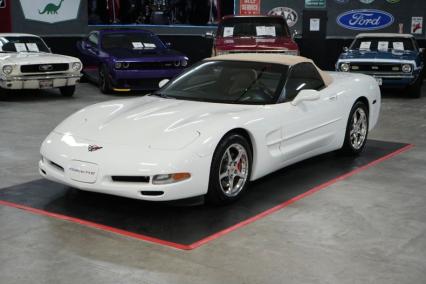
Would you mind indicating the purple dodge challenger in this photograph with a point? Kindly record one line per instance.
(126, 60)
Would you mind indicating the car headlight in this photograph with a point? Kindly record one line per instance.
(406, 68)
(345, 67)
(176, 63)
(184, 63)
(76, 66)
(7, 69)
(125, 65)
(170, 178)
(117, 65)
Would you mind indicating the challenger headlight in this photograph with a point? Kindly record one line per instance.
(406, 68)
(345, 67)
(117, 65)
(176, 63)
(125, 65)
(184, 63)
(170, 178)
(76, 66)
(7, 69)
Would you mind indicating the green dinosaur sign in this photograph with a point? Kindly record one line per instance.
(51, 8)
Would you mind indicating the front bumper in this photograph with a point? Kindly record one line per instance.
(34, 81)
(141, 79)
(60, 156)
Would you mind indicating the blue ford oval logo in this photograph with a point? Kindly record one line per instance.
(365, 20)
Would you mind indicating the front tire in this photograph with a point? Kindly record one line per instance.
(230, 170)
(104, 81)
(67, 91)
(356, 129)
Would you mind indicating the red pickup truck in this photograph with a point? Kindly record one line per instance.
(254, 34)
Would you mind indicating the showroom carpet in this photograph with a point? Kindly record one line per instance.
(188, 227)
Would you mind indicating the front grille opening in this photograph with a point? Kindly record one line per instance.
(144, 179)
(56, 166)
(152, 193)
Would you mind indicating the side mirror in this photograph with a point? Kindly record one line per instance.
(306, 95)
(163, 83)
(345, 49)
(210, 34)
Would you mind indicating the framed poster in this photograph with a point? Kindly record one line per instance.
(417, 25)
(315, 3)
(249, 7)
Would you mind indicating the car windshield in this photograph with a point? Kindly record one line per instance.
(254, 27)
(141, 41)
(23, 44)
(228, 82)
(383, 44)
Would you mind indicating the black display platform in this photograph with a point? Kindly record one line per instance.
(188, 227)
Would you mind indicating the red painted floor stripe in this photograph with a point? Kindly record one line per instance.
(218, 234)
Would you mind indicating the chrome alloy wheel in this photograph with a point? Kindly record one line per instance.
(358, 132)
(233, 170)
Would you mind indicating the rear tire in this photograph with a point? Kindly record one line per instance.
(67, 91)
(356, 130)
(104, 81)
(230, 170)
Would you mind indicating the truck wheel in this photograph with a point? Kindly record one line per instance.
(67, 91)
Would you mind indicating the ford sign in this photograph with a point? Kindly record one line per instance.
(365, 20)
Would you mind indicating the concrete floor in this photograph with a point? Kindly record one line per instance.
(369, 228)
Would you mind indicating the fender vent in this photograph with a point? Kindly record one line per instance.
(56, 166)
(152, 193)
(144, 179)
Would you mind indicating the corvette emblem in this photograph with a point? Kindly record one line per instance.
(93, 148)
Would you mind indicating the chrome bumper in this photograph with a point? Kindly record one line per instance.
(33, 81)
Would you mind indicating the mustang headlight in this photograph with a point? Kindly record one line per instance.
(76, 66)
(170, 178)
(406, 68)
(7, 69)
(345, 67)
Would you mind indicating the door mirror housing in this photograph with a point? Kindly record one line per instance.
(306, 95)
(163, 82)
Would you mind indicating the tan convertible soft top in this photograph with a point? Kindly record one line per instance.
(288, 60)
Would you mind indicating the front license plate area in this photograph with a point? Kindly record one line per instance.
(83, 171)
(46, 84)
(379, 81)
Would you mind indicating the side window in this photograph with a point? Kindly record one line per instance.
(93, 39)
(302, 76)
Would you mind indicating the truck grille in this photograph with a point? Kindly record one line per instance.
(44, 68)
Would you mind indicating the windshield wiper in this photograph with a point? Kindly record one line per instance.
(163, 96)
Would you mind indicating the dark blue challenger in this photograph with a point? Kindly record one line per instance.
(395, 60)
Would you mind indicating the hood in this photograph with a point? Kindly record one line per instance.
(146, 122)
(364, 54)
(158, 53)
(255, 43)
(24, 58)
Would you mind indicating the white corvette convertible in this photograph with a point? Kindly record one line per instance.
(226, 121)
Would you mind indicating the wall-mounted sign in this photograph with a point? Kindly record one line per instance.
(315, 4)
(365, 20)
(289, 14)
(417, 25)
(314, 24)
(2, 4)
(366, 1)
(249, 7)
(50, 11)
